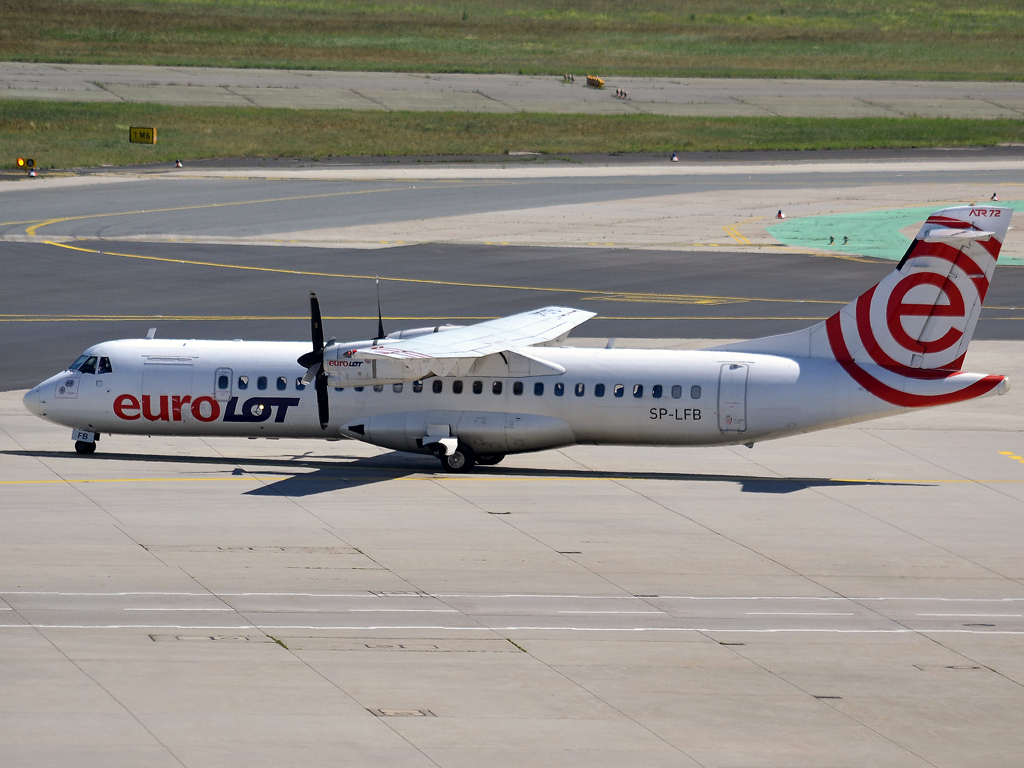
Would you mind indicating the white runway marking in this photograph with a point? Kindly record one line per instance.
(620, 613)
(364, 595)
(797, 613)
(435, 628)
(975, 615)
(178, 609)
(401, 610)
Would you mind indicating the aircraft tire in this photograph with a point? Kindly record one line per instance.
(83, 447)
(489, 459)
(462, 460)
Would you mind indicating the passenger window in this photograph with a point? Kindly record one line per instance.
(517, 388)
(298, 384)
(580, 389)
(638, 390)
(478, 387)
(677, 392)
(396, 387)
(89, 366)
(360, 389)
(656, 391)
(538, 388)
(618, 390)
(261, 382)
(438, 386)
(105, 366)
(339, 389)
(559, 389)
(282, 383)
(378, 387)
(695, 392)
(457, 387)
(599, 390)
(222, 381)
(243, 382)
(417, 386)
(78, 363)
(496, 388)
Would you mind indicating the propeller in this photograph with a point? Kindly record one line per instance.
(313, 362)
(380, 319)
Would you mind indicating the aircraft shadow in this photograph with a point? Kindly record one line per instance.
(306, 475)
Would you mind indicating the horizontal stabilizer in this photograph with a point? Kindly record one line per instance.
(944, 234)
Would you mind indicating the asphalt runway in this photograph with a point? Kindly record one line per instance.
(183, 206)
(215, 291)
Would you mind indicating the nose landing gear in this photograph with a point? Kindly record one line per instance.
(85, 442)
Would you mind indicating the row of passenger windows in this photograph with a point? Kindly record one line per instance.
(261, 383)
(437, 386)
(618, 390)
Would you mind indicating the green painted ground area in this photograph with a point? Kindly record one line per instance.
(873, 233)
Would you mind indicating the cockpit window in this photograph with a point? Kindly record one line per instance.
(89, 366)
(105, 366)
(78, 363)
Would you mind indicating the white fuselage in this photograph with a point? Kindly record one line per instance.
(605, 396)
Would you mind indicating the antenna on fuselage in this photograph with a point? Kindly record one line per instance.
(151, 334)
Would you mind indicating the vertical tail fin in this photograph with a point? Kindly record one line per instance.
(905, 339)
(922, 316)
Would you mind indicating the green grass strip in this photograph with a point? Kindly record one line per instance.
(72, 134)
(980, 40)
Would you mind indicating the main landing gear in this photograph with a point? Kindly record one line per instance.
(83, 447)
(462, 459)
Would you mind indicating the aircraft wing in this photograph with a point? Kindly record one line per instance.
(487, 338)
(492, 348)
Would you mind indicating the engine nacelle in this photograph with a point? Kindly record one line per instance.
(482, 431)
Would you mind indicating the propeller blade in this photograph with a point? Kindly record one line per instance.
(316, 322)
(311, 359)
(311, 371)
(322, 403)
(380, 320)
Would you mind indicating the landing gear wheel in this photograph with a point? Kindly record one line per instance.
(83, 447)
(462, 459)
(489, 459)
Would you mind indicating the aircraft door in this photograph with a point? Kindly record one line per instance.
(732, 397)
(222, 384)
(165, 382)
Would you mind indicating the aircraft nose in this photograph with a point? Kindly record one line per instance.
(31, 401)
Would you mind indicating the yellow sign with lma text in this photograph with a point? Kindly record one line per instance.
(142, 135)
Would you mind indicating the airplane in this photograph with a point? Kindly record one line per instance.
(471, 395)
